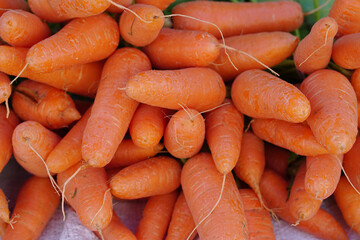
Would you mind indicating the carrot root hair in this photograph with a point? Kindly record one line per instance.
(100, 234)
(316, 9)
(296, 223)
(249, 125)
(21, 72)
(13, 220)
(347, 177)
(102, 205)
(7, 108)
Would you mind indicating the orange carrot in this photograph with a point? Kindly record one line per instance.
(162, 4)
(157, 175)
(346, 13)
(5, 88)
(333, 117)
(355, 82)
(36, 203)
(13, 4)
(43, 10)
(88, 40)
(259, 94)
(224, 131)
(156, 217)
(352, 163)
(3, 226)
(113, 109)
(197, 88)
(115, 9)
(314, 51)
(346, 50)
(116, 230)
(4, 208)
(276, 159)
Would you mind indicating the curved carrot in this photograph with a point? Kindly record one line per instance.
(113, 109)
(333, 117)
(346, 13)
(276, 159)
(88, 40)
(115, 9)
(259, 94)
(157, 175)
(13, 4)
(355, 82)
(346, 51)
(156, 217)
(161, 4)
(314, 51)
(43, 10)
(352, 164)
(201, 88)
(5, 87)
(116, 230)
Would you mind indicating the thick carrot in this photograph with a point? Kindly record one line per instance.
(88, 40)
(5, 88)
(113, 109)
(87, 193)
(185, 133)
(333, 118)
(161, 4)
(51, 107)
(156, 217)
(270, 48)
(36, 203)
(115, 9)
(259, 94)
(195, 49)
(4, 208)
(22, 29)
(347, 15)
(43, 10)
(197, 88)
(239, 18)
(224, 132)
(276, 159)
(154, 176)
(345, 51)
(352, 164)
(355, 82)
(314, 51)
(202, 184)
(116, 230)
(13, 4)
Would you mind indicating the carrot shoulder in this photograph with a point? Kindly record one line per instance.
(346, 14)
(346, 50)
(43, 10)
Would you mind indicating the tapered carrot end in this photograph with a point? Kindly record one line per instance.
(71, 114)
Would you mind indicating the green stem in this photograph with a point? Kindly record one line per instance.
(345, 72)
(317, 13)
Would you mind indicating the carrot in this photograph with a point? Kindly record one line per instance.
(43, 10)
(3, 226)
(224, 132)
(276, 159)
(142, 29)
(182, 222)
(333, 117)
(239, 18)
(270, 48)
(346, 50)
(22, 29)
(7, 126)
(115, 9)
(197, 88)
(258, 219)
(4, 209)
(161, 4)
(116, 230)
(185, 133)
(113, 109)
(87, 193)
(202, 184)
(5, 89)
(13, 4)
(51, 107)
(89, 39)
(355, 82)
(314, 51)
(128, 153)
(259, 94)
(157, 175)
(156, 217)
(348, 200)
(36, 203)
(352, 163)
(346, 14)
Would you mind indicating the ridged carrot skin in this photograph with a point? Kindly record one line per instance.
(5, 87)
(13, 4)
(277, 46)
(201, 88)
(87, 40)
(276, 159)
(43, 10)
(115, 9)
(154, 176)
(201, 183)
(314, 51)
(259, 94)
(162, 4)
(347, 15)
(333, 118)
(352, 163)
(116, 230)
(346, 51)
(239, 18)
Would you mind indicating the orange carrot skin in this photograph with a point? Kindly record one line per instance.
(314, 51)
(224, 132)
(5, 87)
(13, 4)
(322, 175)
(43, 10)
(333, 117)
(36, 203)
(352, 164)
(116, 230)
(3, 226)
(79, 8)
(355, 82)
(115, 9)
(156, 217)
(270, 48)
(154, 176)
(22, 29)
(86, 194)
(346, 14)
(4, 208)
(276, 159)
(257, 218)
(113, 109)
(201, 88)
(88, 40)
(259, 94)
(182, 222)
(239, 18)
(195, 49)
(346, 50)
(51, 107)
(348, 201)
(161, 4)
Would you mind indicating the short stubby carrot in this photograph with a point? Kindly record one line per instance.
(346, 51)
(43, 10)
(51, 107)
(154, 176)
(347, 15)
(115, 9)
(13, 4)
(352, 164)
(87, 40)
(239, 18)
(277, 159)
(259, 94)
(185, 133)
(333, 118)
(5, 87)
(116, 230)
(314, 51)
(195, 49)
(197, 88)
(161, 4)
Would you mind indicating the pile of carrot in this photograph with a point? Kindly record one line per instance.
(222, 114)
